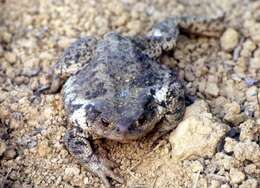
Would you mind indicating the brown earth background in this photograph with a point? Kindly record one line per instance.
(216, 145)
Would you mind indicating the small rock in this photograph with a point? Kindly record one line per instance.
(240, 68)
(121, 20)
(229, 39)
(2, 147)
(251, 169)
(43, 149)
(229, 145)
(232, 113)
(251, 93)
(253, 28)
(134, 26)
(236, 176)
(10, 153)
(252, 183)
(86, 180)
(1, 50)
(28, 141)
(31, 67)
(10, 57)
(254, 63)
(6, 36)
(225, 161)
(198, 135)
(248, 130)
(248, 47)
(214, 184)
(247, 151)
(212, 89)
(21, 80)
(189, 76)
(17, 185)
(64, 42)
(16, 120)
(225, 186)
(72, 171)
(196, 166)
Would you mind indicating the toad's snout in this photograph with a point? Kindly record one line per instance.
(124, 125)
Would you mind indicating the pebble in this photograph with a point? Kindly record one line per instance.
(225, 161)
(10, 153)
(229, 145)
(212, 89)
(253, 28)
(248, 129)
(214, 184)
(43, 149)
(134, 26)
(2, 147)
(65, 42)
(16, 123)
(241, 66)
(31, 67)
(17, 185)
(1, 50)
(72, 171)
(225, 186)
(10, 57)
(248, 47)
(249, 183)
(86, 181)
(6, 36)
(196, 166)
(236, 176)
(254, 63)
(251, 169)
(189, 76)
(229, 40)
(28, 141)
(247, 150)
(232, 113)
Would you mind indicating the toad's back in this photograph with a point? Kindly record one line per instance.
(117, 88)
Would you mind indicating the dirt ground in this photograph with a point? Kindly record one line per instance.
(216, 145)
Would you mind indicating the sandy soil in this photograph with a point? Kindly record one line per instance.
(222, 73)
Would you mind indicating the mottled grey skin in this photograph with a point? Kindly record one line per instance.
(117, 89)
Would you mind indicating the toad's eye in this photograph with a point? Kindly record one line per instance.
(104, 122)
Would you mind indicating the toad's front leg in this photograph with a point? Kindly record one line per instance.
(77, 55)
(77, 143)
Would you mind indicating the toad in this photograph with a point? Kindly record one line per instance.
(115, 88)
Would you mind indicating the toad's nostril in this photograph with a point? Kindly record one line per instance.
(122, 128)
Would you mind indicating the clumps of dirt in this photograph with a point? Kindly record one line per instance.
(216, 145)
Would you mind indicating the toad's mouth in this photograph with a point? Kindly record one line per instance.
(126, 135)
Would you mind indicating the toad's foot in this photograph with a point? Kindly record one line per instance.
(79, 146)
(163, 35)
